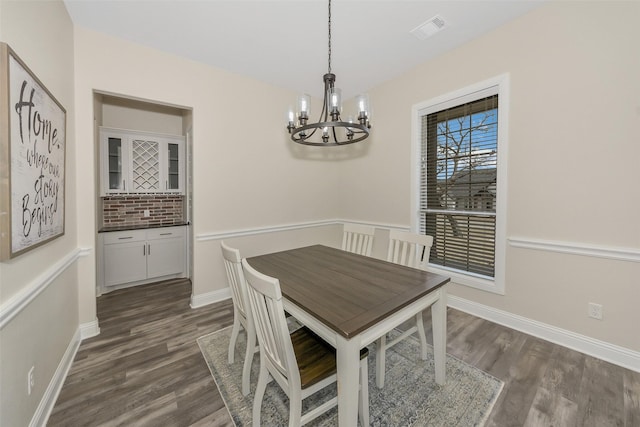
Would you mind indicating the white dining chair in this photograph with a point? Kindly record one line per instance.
(358, 238)
(241, 315)
(411, 250)
(301, 362)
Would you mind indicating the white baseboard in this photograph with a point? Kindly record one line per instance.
(89, 329)
(210, 297)
(43, 411)
(602, 350)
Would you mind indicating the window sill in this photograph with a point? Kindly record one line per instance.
(470, 280)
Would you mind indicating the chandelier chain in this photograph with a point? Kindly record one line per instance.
(329, 36)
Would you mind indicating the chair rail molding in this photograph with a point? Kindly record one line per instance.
(574, 248)
(218, 235)
(12, 307)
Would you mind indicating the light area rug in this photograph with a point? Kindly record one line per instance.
(410, 396)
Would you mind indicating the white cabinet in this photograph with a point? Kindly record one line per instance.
(165, 251)
(134, 162)
(142, 256)
(124, 257)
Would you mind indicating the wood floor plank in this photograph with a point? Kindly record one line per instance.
(601, 395)
(145, 368)
(524, 379)
(565, 372)
(631, 385)
(550, 408)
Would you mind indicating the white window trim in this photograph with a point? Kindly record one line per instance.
(496, 85)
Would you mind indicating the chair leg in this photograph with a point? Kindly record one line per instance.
(363, 403)
(248, 359)
(380, 360)
(234, 336)
(295, 410)
(263, 380)
(422, 336)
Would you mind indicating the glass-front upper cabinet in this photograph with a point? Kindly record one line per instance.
(115, 163)
(114, 158)
(140, 162)
(173, 167)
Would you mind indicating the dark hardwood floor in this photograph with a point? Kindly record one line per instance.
(145, 368)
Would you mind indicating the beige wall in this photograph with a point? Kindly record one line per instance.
(41, 34)
(130, 114)
(573, 159)
(246, 173)
(573, 171)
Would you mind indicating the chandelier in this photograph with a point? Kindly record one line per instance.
(330, 129)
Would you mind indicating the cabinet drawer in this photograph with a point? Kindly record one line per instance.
(165, 233)
(124, 236)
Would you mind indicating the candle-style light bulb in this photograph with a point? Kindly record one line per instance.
(291, 119)
(363, 108)
(303, 108)
(335, 102)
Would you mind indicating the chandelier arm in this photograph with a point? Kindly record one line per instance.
(356, 128)
(335, 137)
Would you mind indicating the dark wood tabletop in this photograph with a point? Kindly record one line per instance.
(347, 292)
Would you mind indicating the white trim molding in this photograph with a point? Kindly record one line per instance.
(43, 411)
(608, 252)
(219, 235)
(89, 329)
(602, 350)
(18, 302)
(499, 85)
(201, 300)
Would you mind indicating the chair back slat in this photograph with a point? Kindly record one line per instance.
(358, 239)
(235, 276)
(409, 249)
(265, 300)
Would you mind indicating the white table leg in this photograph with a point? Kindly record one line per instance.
(348, 360)
(439, 322)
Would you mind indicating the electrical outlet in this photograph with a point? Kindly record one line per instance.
(31, 381)
(595, 310)
(147, 213)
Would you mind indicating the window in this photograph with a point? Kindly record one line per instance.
(460, 190)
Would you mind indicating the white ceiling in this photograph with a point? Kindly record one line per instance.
(284, 43)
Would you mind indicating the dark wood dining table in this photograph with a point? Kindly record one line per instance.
(350, 301)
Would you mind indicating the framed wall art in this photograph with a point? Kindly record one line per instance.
(32, 159)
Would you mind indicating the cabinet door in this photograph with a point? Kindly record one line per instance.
(145, 165)
(125, 262)
(173, 167)
(165, 256)
(114, 147)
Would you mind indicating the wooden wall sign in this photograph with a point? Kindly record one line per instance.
(32, 159)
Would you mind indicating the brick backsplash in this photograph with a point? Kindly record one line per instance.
(129, 210)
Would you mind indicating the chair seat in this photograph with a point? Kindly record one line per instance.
(316, 358)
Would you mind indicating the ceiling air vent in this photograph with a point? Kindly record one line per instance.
(429, 28)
